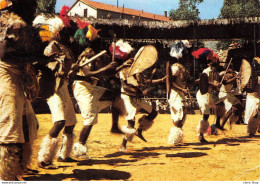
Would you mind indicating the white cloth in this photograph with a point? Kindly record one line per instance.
(177, 99)
(14, 105)
(177, 102)
(61, 106)
(88, 97)
(205, 102)
(230, 99)
(252, 106)
(208, 100)
(134, 105)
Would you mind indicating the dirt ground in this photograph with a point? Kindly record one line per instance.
(230, 156)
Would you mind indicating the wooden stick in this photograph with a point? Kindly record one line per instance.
(114, 48)
(226, 71)
(87, 61)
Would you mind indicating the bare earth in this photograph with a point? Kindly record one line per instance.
(230, 156)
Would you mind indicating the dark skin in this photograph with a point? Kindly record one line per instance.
(101, 70)
(184, 90)
(157, 81)
(229, 81)
(89, 73)
(153, 82)
(85, 132)
(124, 65)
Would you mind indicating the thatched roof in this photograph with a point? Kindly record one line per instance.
(203, 29)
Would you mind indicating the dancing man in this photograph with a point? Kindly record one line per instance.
(18, 123)
(60, 104)
(88, 93)
(133, 88)
(178, 90)
(207, 96)
(252, 111)
(233, 107)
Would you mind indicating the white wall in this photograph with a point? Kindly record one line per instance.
(78, 9)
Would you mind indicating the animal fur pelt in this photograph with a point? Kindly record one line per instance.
(203, 126)
(253, 125)
(10, 162)
(9, 23)
(66, 146)
(48, 149)
(129, 133)
(79, 149)
(144, 124)
(176, 136)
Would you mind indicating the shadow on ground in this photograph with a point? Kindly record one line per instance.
(83, 175)
(160, 148)
(139, 155)
(203, 148)
(234, 141)
(187, 155)
(228, 141)
(107, 162)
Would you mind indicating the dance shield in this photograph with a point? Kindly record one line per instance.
(168, 79)
(145, 58)
(245, 73)
(203, 83)
(47, 83)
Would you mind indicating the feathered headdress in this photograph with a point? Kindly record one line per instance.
(56, 24)
(122, 49)
(5, 4)
(39, 21)
(207, 53)
(64, 16)
(82, 24)
(80, 37)
(257, 59)
(49, 28)
(80, 34)
(177, 47)
(84, 27)
(92, 33)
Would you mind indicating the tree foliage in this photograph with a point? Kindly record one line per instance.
(187, 10)
(46, 6)
(240, 8)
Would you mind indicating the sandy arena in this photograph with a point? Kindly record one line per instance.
(230, 156)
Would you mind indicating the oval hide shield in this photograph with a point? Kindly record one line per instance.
(145, 58)
(203, 84)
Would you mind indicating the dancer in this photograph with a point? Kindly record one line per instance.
(88, 94)
(252, 110)
(17, 119)
(207, 96)
(233, 107)
(133, 88)
(60, 104)
(178, 90)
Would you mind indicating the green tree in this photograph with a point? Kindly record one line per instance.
(46, 6)
(187, 10)
(240, 9)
